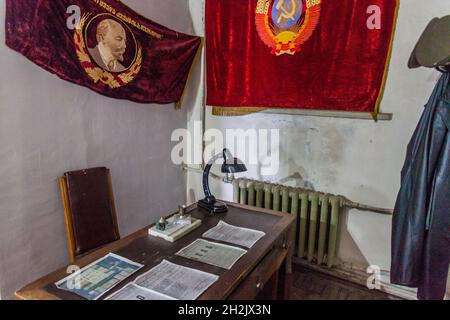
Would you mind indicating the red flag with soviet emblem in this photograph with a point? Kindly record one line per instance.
(110, 48)
(310, 54)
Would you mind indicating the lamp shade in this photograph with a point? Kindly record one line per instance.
(234, 166)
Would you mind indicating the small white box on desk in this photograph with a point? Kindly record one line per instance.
(174, 231)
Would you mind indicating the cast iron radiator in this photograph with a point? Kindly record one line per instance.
(317, 215)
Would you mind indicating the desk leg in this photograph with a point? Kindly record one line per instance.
(285, 272)
(285, 281)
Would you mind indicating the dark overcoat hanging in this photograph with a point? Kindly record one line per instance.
(421, 221)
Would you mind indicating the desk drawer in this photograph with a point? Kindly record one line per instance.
(259, 277)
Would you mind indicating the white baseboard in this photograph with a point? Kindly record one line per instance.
(396, 290)
(359, 276)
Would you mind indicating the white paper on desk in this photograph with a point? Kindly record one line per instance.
(134, 292)
(236, 235)
(94, 280)
(216, 254)
(176, 281)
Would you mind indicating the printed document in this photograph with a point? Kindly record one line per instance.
(99, 277)
(234, 235)
(212, 253)
(134, 292)
(176, 281)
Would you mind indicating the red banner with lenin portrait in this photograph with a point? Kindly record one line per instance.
(110, 48)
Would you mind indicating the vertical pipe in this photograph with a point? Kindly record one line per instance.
(335, 208)
(285, 199)
(251, 193)
(276, 198)
(243, 193)
(267, 196)
(294, 203)
(313, 225)
(324, 200)
(236, 190)
(203, 108)
(259, 195)
(303, 223)
(295, 212)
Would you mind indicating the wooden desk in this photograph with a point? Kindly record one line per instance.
(263, 273)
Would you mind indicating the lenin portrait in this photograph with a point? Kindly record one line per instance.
(111, 46)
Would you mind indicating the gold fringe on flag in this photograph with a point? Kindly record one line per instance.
(236, 111)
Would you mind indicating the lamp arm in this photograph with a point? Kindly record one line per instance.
(208, 167)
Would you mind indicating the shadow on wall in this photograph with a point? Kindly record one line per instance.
(348, 251)
(191, 196)
(193, 88)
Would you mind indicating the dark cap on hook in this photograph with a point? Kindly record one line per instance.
(433, 48)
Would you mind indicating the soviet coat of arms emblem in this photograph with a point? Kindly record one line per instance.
(285, 25)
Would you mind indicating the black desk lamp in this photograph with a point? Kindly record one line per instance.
(230, 166)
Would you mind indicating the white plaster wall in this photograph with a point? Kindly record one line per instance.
(360, 159)
(48, 126)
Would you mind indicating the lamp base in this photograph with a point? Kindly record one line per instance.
(212, 205)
